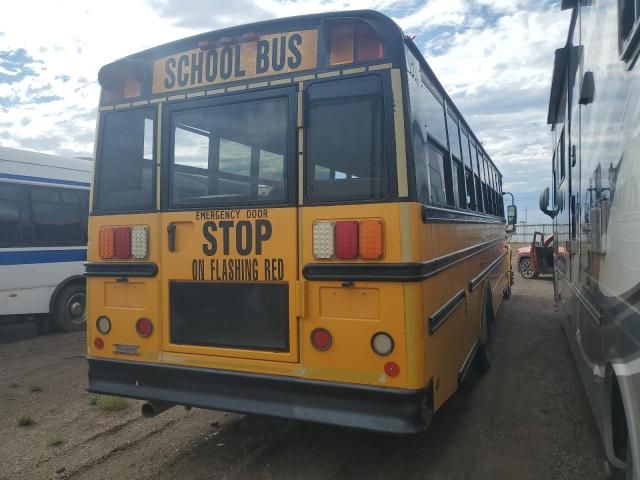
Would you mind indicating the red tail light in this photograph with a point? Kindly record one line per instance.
(346, 239)
(122, 242)
(392, 369)
(321, 339)
(144, 327)
(98, 343)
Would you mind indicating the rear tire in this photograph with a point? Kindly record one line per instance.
(70, 311)
(484, 355)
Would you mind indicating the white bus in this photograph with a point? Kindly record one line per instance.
(43, 242)
(594, 113)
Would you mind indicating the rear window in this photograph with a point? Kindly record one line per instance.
(231, 154)
(346, 156)
(126, 163)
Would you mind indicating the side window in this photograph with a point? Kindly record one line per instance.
(628, 28)
(435, 118)
(421, 164)
(56, 216)
(436, 175)
(457, 171)
(476, 164)
(9, 215)
(465, 149)
(454, 136)
(471, 198)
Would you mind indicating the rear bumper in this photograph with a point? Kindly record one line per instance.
(371, 408)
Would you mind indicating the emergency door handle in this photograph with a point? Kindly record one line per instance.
(171, 233)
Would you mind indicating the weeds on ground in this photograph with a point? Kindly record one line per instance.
(25, 421)
(35, 389)
(109, 403)
(55, 441)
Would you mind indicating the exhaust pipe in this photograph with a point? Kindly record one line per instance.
(151, 409)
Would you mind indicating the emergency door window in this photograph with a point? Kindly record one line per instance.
(230, 154)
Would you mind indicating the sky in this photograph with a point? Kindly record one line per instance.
(494, 58)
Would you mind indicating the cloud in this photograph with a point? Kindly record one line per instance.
(494, 58)
(16, 65)
(203, 14)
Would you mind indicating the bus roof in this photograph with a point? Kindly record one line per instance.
(271, 25)
(24, 163)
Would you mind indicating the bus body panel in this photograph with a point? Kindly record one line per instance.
(33, 262)
(595, 183)
(28, 288)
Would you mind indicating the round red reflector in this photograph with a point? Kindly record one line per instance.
(98, 343)
(144, 327)
(392, 369)
(321, 339)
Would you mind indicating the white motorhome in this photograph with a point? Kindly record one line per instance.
(43, 242)
(594, 113)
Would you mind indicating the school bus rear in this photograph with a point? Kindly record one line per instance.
(235, 171)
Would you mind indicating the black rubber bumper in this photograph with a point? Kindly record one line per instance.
(370, 408)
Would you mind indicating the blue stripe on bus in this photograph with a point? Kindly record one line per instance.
(42, 256)
(57, 181)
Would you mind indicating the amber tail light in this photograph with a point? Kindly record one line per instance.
(348, 239)
(352, 42)
(124, 242)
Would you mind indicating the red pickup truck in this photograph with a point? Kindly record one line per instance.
(537, 258)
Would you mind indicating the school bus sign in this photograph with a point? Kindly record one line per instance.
(273, 54)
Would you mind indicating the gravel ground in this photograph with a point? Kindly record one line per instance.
(526, 419)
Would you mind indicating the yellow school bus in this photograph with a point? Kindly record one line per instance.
(291, 218)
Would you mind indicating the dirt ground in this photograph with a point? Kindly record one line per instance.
(526, 419)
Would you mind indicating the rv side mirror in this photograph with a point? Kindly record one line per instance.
(512, 214)
(544, 204)
(512, 218)
(544, 200)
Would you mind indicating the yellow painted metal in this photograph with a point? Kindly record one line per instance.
(352, 311)
(126, 302)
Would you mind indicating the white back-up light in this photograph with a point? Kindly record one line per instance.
(323, 240)
(139, 242)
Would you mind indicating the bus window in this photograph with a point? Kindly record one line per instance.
(436, 176)
(56, 216)
(191, 151)
(230, 154)
(435, 117)
(421, 165)
(471, 198)
(457, 171)
(345, 135)
(465, 150)
(127, 162)
(454, 137)
(9, 215)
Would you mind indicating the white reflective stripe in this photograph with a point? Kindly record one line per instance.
(628, 368)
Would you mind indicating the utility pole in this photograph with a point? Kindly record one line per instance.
(526, 208)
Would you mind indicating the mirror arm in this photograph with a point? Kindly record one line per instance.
(509, 193)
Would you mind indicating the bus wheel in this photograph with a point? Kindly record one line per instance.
(70, 312)
(484, 355)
